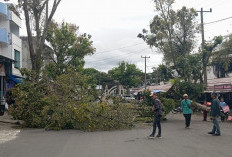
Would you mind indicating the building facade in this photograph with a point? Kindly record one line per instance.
(10, 47)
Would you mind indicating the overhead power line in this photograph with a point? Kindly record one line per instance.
(201, 3)
(121, 56)
(218, 20)
(118, 48)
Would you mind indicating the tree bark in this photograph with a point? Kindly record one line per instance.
(205, 74)
(29, 34)
(37, 47)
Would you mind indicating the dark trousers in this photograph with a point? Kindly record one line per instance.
(187, 119)
(216, 127)
(205, 115)
(156, 123)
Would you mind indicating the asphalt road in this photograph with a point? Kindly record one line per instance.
(176, 142)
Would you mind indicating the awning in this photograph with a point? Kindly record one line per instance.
(158, 91)
(13, 78)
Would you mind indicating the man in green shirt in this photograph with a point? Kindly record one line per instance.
(187, 111)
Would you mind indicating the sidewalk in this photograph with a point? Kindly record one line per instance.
(8, 128)
(9, 119)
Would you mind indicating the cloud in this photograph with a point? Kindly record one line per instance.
(122, 45)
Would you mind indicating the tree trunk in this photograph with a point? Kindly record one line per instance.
(29, 34)
(205, 74)
(36, 48)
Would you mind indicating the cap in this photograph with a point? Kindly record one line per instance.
(185, 95)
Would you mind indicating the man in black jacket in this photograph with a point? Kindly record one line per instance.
(215, 112)
(157, 109)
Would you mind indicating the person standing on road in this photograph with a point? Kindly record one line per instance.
(187, 111)
(215, 112)
(205, 112)
(222, 104)
(157, 109)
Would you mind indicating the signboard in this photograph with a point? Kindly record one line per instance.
(224, 87)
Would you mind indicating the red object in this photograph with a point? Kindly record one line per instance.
(208, 104)
(229, 118)
(226, 109)
(205, 115)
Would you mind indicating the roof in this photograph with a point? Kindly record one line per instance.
(164, 87)
(5, 59)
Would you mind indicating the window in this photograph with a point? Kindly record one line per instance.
(17, 59)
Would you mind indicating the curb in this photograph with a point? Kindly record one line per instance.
(17, 122)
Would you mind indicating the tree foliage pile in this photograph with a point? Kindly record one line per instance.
(67, 103)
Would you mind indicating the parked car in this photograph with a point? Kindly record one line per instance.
(128, 97)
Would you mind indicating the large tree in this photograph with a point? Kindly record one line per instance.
(190, 67)
(172, 32)
(207, 53)
(69, 47)
(127, 74)
(38, 16)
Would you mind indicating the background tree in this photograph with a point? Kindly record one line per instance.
(190, 67)
(68, 47)
(38, 16)
(127, 74)
(98, 78)
(222, 58)
(207, 53)
(163, 73)
(172, 32)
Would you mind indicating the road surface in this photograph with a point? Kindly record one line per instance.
(176, 142)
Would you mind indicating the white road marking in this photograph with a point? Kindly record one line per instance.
(8, 135)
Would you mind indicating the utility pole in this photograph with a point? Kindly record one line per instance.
(203, 41)
(202, 25)
(145, 80)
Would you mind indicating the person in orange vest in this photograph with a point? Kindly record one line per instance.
(205, 112)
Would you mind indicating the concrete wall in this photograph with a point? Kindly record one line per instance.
(210, 73)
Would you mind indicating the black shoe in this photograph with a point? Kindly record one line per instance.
(216, 134)
(159, 136)
(211, 133)
(151, 136)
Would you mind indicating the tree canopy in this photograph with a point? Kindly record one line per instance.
(68, 47)
(222, 58)
(172, 32)
(127, 74)
(38, 16)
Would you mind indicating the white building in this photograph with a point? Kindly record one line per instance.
(10, 45)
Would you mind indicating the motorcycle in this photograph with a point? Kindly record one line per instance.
(177, 110)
